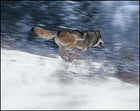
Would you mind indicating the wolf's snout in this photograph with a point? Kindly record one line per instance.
(101, 42)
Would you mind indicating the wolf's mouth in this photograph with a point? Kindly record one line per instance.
(100, 43)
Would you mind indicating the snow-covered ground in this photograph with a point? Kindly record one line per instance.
(37, 82)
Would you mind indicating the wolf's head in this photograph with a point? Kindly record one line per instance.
(94, 38)
(100, 42)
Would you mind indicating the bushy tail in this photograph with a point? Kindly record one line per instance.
(43, 33)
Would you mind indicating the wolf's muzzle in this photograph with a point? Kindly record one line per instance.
(100, 43)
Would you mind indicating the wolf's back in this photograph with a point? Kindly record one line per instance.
(43, 33)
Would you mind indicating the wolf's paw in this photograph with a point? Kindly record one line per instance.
(70, 59)
(67, 59)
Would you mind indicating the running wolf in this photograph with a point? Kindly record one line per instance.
(71, 39)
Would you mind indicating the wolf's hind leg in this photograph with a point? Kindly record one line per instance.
(73, 55)
(64, 54)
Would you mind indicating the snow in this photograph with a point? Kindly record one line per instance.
(37, 82)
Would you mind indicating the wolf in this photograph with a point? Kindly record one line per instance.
(71, 39)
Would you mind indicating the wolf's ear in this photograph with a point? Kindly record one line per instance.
(84, 34)
(97, 32)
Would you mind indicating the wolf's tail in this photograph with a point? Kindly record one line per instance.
(43, 33)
